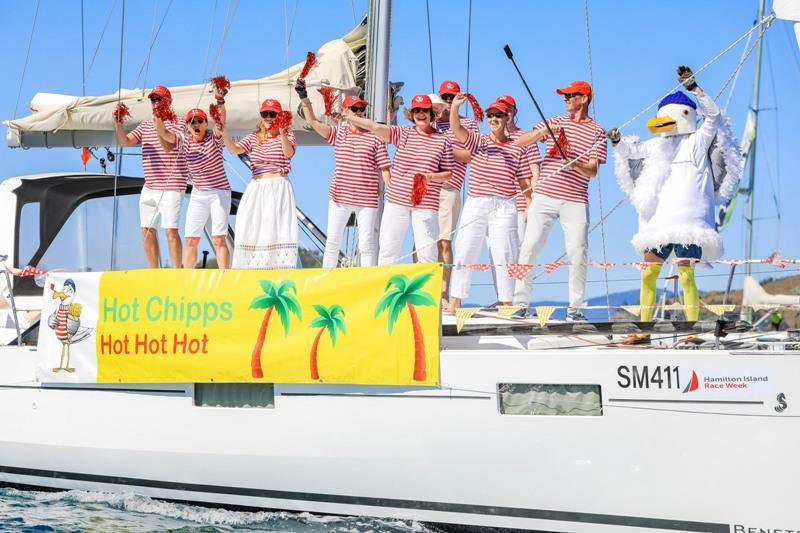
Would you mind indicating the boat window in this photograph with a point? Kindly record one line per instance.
(84, 242)
(242, 395)
(28, 232)
(309, 254)
(549, 399)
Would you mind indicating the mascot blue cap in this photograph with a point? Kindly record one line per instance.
(677, 98)
(70, 283)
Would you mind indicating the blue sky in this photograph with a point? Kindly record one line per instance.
(635, 47)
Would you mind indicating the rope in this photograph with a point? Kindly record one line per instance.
(100, 39)
(430, 43)
(146, 65)
(228, 23)
(206, 73)
(735, 74)
(83, 58)
(765, 20)
(118, 166)
(27, 57)
(599, 181)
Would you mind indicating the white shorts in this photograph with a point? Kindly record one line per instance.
(166, 204)
(449, 210)
(216, 204)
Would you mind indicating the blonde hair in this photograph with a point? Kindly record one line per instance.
(261, 132)
(410, 116)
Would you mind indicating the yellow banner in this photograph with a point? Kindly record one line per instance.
(374, 325)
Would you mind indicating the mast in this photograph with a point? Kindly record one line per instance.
(748, 235)
(379, 21)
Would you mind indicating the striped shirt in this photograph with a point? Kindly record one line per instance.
(267, 157)
(61, 323)
(459, 169)
(417, 153)
(359, 155)
(534, 158)
(585, 139)
(204, 159)
(163, 171)
(496, 167)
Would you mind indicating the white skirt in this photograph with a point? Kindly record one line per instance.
(266, 226)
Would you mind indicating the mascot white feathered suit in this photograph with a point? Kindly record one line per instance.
(675, 181)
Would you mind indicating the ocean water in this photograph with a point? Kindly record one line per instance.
(100, 512)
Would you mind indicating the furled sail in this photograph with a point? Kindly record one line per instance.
(789, 10)
(74, 121)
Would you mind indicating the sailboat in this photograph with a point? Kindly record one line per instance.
(546, 427)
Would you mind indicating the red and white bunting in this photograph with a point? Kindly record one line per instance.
(518, 271)
(478, 267)
(600, 264)
(27, 272)
(549, 268)
(640, 265)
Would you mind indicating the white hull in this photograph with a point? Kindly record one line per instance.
(652, 462)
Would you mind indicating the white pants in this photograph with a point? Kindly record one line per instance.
(214, 204)
(338, 215)
(482, 216)
(574, 216)
(424, 225)
(155, 203)
(522, 223)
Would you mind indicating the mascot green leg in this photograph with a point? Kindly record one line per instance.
(691, 299)
(647, 292)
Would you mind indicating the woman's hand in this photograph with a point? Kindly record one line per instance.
(458, 100)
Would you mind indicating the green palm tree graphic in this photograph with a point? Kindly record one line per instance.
(281, 298)
(328, 319)
(400, 293)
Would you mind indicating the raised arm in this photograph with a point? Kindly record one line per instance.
(531, 137)
(286, 144)
(124, 139)
(166, 138)
(382, 131)
(459, 132)
(322, 129)
(232, 147)
(223, 116)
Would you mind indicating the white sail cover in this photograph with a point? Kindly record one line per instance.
(74, 121)
(789, 10)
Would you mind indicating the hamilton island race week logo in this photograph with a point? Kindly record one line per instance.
(693, 384)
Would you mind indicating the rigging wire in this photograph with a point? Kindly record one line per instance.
(469, 41)
(206, 73)
(598, 180)
(146, 64)
(27, 57)
(776, 190)
(230, 16)
(100, 39)
(83, 56)
(430, 43)
(118, 165)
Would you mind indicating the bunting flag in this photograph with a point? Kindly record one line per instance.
(508, 310)
(463, 314)
(762, 307)
(730, 262)
(674, 307)
(719, 309)
(478, 267)
(544, 312)
(639, 265)
(600, 264)
(518, 271)
(635, 310)
(26, 272)
(549, 268)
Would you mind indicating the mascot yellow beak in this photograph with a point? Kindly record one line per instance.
(60, 295)
(661, 124)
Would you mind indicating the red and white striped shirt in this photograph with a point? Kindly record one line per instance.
(534, 158)
(587, 140)
(359, 155)
(417, 153)
(163, 170)
(267, 157)
(204, 159)
(459, 169)
(61, 323)
(496, 167)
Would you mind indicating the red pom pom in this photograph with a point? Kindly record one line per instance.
(121, 112)
(328, 98)
(221, 86)
(476, 107)
(311, 61)
(163, 111)
(563, 142)
(213, 110)
(419, 190)
(282, 122)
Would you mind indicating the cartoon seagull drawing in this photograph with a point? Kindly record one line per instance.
(66, 322)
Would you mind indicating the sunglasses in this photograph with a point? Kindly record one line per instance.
(416, 110)
(198, 121)
(358, 109)
(447, 97)
(155, 99)
(571, 96)
(492, 114)
(269, 114)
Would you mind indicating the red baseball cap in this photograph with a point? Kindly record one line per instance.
(449, 87)
(196, 112)
(160, 90)
(270, 105)
(580, 87)
(508, 100)
(350, 101)
(422, 101)
(499, 105)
